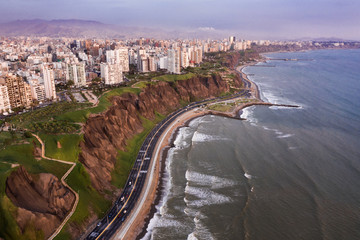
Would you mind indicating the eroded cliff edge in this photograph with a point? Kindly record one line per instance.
(108, 132)
(42, 200)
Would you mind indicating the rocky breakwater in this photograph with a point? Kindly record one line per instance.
(42, 200)
(106, 133)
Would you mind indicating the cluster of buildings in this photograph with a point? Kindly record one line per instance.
(30, 68)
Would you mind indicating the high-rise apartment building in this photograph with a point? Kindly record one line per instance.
(37, 90)
(111, 73)
(76, 73)
(19, 91)
(152, 64)
(119, 56)
(163, 62)
(195, 55)
(49, 82)
(184, 58)
(141, 56)
(174, 61)
(123, 56)
(4, 99)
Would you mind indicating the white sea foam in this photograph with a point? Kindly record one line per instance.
(191, 236)
(285, 136)
(273, 98)
(195, 123)
(248, 176)
(208, 180)
(248, 114)
(163, 222)
(168, 222)
(201, 137)
(180, 141)
(204, 197)
(270, 129)
(161, 217)
(202, 231)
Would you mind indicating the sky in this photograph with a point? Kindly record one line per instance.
(251, 19)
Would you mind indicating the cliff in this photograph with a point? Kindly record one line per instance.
(108, 132)
(233, 59)
(42, 200)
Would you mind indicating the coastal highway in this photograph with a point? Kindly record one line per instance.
(125, 204)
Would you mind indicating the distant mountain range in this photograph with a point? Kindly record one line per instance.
(90, 29)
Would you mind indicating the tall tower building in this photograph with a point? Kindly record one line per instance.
(19, 92)
(76, 73)
(123, 58)
(152, 64)
(184, 58)
(4, 99)
(37, 90)
(119, 56)
(111, 73)
(174, 61)
(49, 82)
(140, 56)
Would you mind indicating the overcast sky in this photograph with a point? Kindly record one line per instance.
(265, 19)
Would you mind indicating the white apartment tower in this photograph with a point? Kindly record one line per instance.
(76, 73)
(152, 64)
(4, 99)
(111, 73)
(174, 61)
(123, 56)
(49, 82)
(141, 56)
(37, 90)
(119, 56)
(184, 59)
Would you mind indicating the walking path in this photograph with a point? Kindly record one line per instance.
(57, 231)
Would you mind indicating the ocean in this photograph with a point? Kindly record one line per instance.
(284, 173)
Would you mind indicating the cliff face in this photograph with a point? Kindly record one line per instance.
(233, 59)
(106, 133)
(41, 199)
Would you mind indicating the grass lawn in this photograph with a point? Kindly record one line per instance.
(46, 113)
(174, 77)
(221, 107)
(104, 103)
(69, 150)
(23, 155)
(142, 84)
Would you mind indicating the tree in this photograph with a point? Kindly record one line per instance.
(96, 80)
(70, 83)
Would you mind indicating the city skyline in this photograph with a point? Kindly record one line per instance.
(260, 19)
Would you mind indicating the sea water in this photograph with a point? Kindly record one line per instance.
(284, 173)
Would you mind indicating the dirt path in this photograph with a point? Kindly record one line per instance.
(57, 231)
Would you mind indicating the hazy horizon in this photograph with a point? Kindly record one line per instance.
(261, 19)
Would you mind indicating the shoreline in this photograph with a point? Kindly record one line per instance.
(159, 191)
(139, 227)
